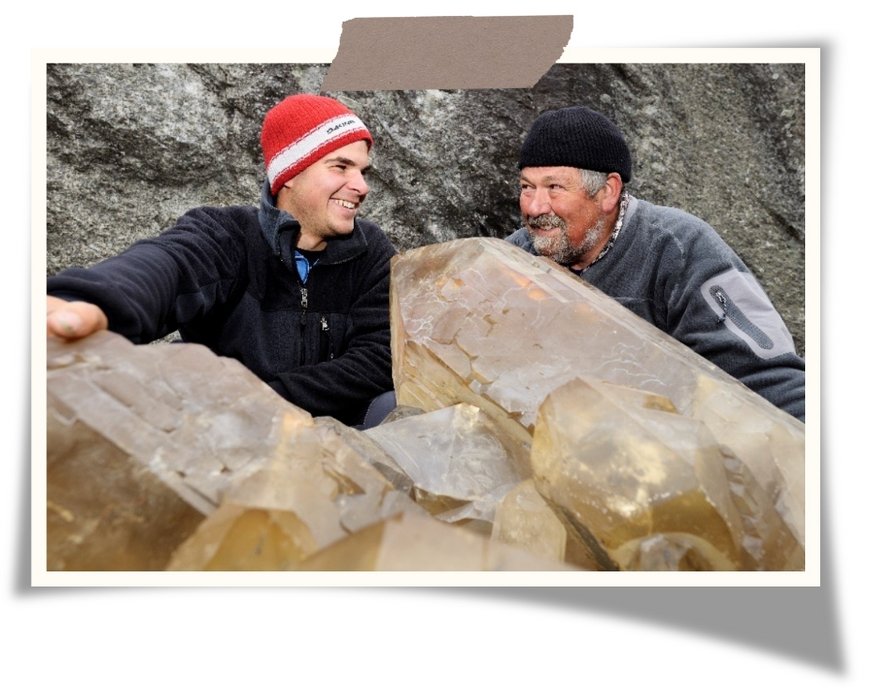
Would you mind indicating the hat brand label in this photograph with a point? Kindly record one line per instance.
(333, 129)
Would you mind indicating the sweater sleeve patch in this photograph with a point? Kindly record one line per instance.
(741, 306)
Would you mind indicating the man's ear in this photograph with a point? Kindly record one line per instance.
(611, 192)
(283, 195)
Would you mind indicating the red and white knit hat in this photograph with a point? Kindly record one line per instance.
(301, 129)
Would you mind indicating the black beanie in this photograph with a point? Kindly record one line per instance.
(578, 137)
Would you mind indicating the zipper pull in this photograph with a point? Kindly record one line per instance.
(722, 300)
(324, 330)
(304, 304)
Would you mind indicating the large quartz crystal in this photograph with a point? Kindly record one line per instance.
(142, 443)
(482, 322)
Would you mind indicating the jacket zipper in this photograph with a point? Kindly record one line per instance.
(303, 320)
(731, 311)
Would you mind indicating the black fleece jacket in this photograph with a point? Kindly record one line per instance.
(225, 278)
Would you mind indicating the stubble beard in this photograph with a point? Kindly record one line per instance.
(559, 248)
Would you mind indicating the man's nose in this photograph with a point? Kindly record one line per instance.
(537, 202)
(358, 183)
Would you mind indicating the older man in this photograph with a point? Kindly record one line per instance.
(297, 289)
(667, 266)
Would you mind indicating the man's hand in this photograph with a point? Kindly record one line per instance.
(74, 319)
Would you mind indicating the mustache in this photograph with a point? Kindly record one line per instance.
(545, 221)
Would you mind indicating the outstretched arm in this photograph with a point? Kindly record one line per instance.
(157, 284)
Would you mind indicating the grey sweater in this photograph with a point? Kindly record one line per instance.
(676, 272)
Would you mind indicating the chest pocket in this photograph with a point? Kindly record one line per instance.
(332, 336)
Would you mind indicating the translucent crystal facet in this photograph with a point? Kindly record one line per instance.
(524, 519)
(458, 465)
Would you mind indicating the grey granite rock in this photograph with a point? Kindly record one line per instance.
(132, 146)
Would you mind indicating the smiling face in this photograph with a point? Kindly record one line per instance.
(564, 222)
(325, 197)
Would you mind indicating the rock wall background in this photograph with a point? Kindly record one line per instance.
(130, 147)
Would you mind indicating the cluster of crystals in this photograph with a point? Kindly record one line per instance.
(167, 457)
(541, 426)
(649, 455)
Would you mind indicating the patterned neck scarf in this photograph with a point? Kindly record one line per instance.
(623, 205)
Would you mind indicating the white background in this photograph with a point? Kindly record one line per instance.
(667, 642)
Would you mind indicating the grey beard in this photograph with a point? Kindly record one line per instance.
(559, 248)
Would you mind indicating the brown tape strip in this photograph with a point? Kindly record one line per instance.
(419, 53)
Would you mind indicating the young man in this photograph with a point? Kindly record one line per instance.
(669, 267)
(297, 290)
